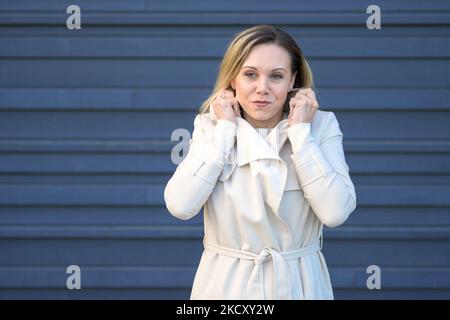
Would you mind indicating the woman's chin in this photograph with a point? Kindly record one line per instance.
(261, 115)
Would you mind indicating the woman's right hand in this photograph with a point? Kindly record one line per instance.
(226, 106)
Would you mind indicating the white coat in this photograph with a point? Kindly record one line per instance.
(264, 205)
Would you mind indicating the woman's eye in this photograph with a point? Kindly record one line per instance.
(253, 75)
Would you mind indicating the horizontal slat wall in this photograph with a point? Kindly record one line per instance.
(86, 117)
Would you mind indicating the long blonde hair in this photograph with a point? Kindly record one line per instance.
(239, 49)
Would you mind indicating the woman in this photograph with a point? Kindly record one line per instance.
(269, 170)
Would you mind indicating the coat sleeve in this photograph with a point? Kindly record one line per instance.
(196, 176)
(323, 172)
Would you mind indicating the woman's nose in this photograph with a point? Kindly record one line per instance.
(262, 85)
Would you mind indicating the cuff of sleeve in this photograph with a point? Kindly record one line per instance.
(311, 164)
(300, 135)
(224, 136)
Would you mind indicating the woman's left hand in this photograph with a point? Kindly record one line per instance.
(303, 106)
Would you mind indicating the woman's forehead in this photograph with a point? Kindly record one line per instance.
(267, 56)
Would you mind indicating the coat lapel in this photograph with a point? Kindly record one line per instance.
(251, 147)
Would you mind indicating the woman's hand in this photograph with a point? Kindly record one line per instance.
(303, 106)
(226, 106)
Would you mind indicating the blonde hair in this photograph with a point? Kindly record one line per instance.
(239, 49)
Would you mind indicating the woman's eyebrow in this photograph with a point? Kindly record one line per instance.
(257, 68)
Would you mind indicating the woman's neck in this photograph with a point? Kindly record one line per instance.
(270, 123)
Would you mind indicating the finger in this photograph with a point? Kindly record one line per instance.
(291, 107)
(230, 103)
(310, 101)
(308, 92)
(302, 99)
(298, 91)
(228, 93)
(224, 104)
(292, 102)
(222, 94)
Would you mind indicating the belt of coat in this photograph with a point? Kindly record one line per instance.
(282, 283)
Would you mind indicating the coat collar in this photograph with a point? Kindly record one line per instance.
(252, 146)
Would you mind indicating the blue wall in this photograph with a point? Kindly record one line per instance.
(86, 117)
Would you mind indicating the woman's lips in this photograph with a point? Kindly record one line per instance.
(261, 103)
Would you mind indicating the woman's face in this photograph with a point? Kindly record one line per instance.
(263, 83)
